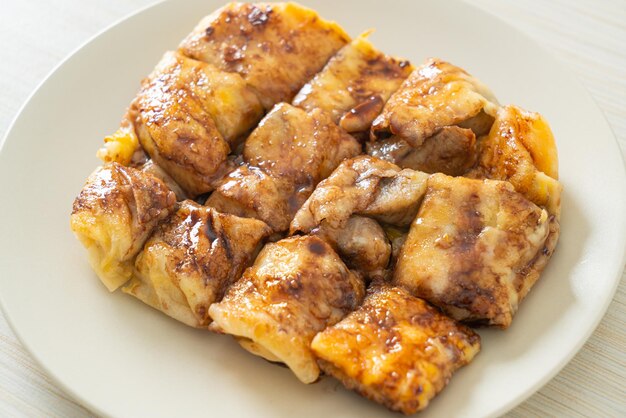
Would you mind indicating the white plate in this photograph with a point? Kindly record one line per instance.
(121, 358)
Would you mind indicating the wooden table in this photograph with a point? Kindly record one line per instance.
(588, 36)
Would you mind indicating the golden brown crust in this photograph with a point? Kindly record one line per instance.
(113, 216)
(436, 95)
(354, 85)
(276, 48)
(192, 258)
(395, 349)
(472, 248)
(520, 148)
(174, 127)
(296, 288)
(187, 117)
(528, 275)
(252, 193)
(304, 147)
(286, 155)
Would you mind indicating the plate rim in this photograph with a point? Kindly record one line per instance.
(618, 270)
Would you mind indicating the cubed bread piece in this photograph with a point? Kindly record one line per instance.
(192, 258)
(520, 148)
(275, 47)
(296, 288)
(303, 147)
(355, 84)
(475, 249)
(395, 349)
(152, 168)
(252, 193)
(436, 95)
(188, 117)
(286, 156)
(224, 96)
(114, 215)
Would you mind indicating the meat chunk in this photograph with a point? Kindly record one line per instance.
(436, 95)
(354, 85)
(395, 349)
(520, 148)
(293, 150)
(364, 186)
(296, 288)
(192, 258)
(113, 216)
(275, 47)
(451, 151)
(475, 249)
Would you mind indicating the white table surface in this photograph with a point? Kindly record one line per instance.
(588, 36)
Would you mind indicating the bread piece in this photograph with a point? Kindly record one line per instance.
(475, 249)
(275, 47)
(395, 349)
(355, 84)
(296, 288)
(192, 258)
(114, 215)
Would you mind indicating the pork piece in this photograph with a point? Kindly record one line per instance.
(192, 258)
(364, 186)
(395, 349)
(432, 121)
(296, 288)
(362, 245)
(475, 249)
(355, 84)
(286, 156)
(187, 117)
(520, 148)
(275, 47)
(113, 216)
(451, 151)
